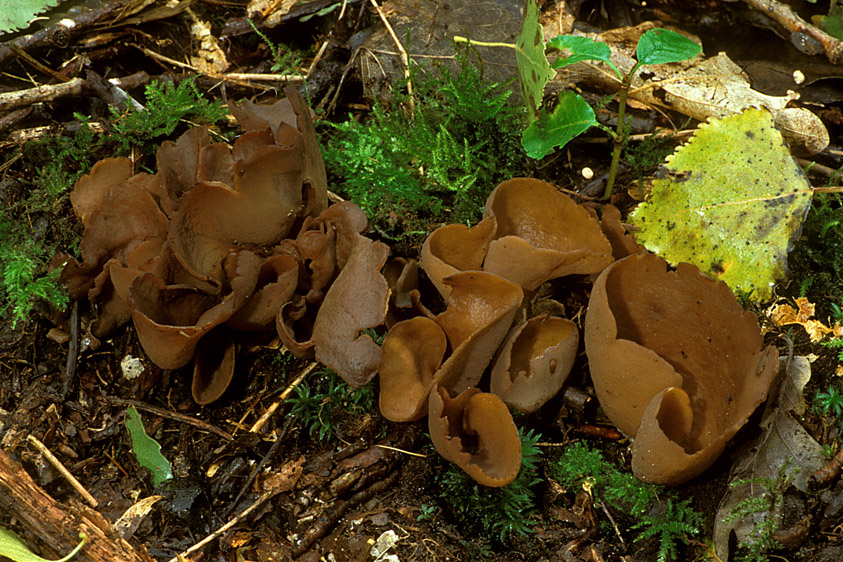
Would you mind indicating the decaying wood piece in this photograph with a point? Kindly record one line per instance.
(58, 526)
(52, 92)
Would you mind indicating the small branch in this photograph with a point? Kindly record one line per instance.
(62, 470)
(203, 425)
(405, 60)
(458, 39)
(219, 532)
(52, 92)
(287, 391)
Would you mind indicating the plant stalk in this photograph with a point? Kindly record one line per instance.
(616, 152)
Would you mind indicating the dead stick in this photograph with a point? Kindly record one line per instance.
(64, 472)
(405, 60)
(52, 92)
(57, 526)
(203, 425)
(242, 515)
(287, 391)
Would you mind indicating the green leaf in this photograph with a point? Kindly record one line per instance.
(146, 449)
(572, 117)
(659, 46)
(534, 71)
(16, 14)
(13, 548)
(582, 48)
(732, 203)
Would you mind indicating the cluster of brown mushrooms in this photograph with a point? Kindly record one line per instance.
(676, 363)
(227, 244)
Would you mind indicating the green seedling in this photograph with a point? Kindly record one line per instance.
(572, 115)
(147, 450)
(830, 402)
(582, 467)
(13, 548)
(656, 46)
(427, 512)
(496, 512)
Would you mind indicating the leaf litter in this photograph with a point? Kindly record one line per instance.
(783, 440)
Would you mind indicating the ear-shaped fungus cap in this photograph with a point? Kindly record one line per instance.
(475, 431)
(541, 234)
(357, 300)
(534, 362)
(676, 363)
(412, 354)
(454, 248)
(481, 309)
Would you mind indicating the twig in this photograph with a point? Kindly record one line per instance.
(612, 521)
(63, 471)
(799, 29)
(219, 532)
(52, 92)
(405, 60)
(72, 349)
(203, 425)
(287, 391)
(61, 31)
(259, 467)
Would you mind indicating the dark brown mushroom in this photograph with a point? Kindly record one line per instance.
(481, 309)
(475, 431)
(676, 363)
(454, 248)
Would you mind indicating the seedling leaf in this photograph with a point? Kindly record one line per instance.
(12, 547)
(146, 449)
(732, 203)
(659, 46)
(572, 117)
(582, 48)
(534, 71)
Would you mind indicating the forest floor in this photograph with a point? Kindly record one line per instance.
(321, 474)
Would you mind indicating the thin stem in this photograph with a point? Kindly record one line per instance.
(458, 39)
(616, 153)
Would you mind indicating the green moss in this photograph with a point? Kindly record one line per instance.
(317, 400)
(166, 106)
(496, 512)
(649, 508)
(412, 173)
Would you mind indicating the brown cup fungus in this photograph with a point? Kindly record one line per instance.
(534, 362)
(475, 431)
(212, 248)
(531, 233)
(677, 364)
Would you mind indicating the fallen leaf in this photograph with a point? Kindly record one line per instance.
(782, 314)
(731, 201)
(783, 438)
